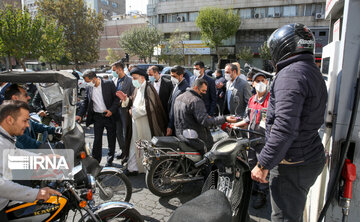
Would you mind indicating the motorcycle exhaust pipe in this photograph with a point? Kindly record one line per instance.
(186, 180)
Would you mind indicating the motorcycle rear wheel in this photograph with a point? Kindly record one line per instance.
(159, 172)
(116, 185)
(117, 214)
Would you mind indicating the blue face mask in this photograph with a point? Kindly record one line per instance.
(152, 78)
(136, 83)
(115, 74)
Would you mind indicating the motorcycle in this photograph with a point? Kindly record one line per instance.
(58, 91)
(232, 175)
(169, 163)
(77, 195)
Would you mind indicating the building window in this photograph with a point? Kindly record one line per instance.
(274, 12)
(193, 16)
(245, 13)
(163, 19)
(322, 33)
(105, 2)
(114, 4)
(259, 12)
(289, 11)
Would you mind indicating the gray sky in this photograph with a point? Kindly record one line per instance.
(136, 5)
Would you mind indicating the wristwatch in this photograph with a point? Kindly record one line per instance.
(260, 166)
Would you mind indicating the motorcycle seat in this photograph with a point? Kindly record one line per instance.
(172, 142)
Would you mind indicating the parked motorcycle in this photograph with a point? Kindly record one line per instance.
(232, 175)
(76, 196)
(113, 184)
(169, 163)
(58, 91)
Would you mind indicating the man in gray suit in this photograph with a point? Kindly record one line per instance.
(238, 91)
(123, 83)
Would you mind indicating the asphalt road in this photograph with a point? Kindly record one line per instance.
(154, 208)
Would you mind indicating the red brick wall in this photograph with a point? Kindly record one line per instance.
(110, 38)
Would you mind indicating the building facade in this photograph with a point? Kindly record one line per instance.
(258, 20)
(111, 35)
(108, 7)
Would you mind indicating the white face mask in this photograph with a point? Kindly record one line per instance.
(174, 80)
(136, 83)
(227, 77)
(214, 75)
(260, 87)
(196, 72)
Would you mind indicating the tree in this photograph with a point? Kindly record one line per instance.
(264, 51)
(52, 47)
(112, 56)
(20, 34)
(246, 54)
(140, 41)
(216, 25)
(175, 47)
(82, 27)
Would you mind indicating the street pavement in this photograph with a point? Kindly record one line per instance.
(156, 209)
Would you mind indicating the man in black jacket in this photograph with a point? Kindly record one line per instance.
(210, 96)
(100, 104)
(162, 85)
(190, 113)
(181, 84)
(124, 84)
(293, 150)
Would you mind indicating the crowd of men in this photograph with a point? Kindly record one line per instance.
(144, 104)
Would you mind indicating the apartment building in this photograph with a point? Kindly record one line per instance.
(258, 20)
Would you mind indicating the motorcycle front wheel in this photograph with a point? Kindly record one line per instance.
(158, 177)
(116, 214)
(112, 186)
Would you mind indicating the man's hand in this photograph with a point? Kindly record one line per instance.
(231, 119)
(168, 132)
(45, 193)
(108, 113)
(78, 119)
(122, 96)
(259, 175)
(42, 113)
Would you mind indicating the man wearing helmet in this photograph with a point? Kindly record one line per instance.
(293, 152)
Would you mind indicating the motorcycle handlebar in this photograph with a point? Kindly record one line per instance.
(248, 131)
(201, 162)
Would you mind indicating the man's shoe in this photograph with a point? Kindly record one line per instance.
(129, 174)
(259, 201)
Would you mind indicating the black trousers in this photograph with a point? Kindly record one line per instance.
(289, 186)
(100, 123)
(121, 126)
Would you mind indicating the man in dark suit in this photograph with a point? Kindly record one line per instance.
(100, 104)
(122, 83)
(162, 85)
(178, 79)
(210, 97)
(238, 92)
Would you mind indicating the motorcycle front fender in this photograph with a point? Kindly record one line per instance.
(111, 205)
(111, 169)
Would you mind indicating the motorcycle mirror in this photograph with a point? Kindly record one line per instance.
(190, 134)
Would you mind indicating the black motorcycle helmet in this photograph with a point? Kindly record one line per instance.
(289, 40)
